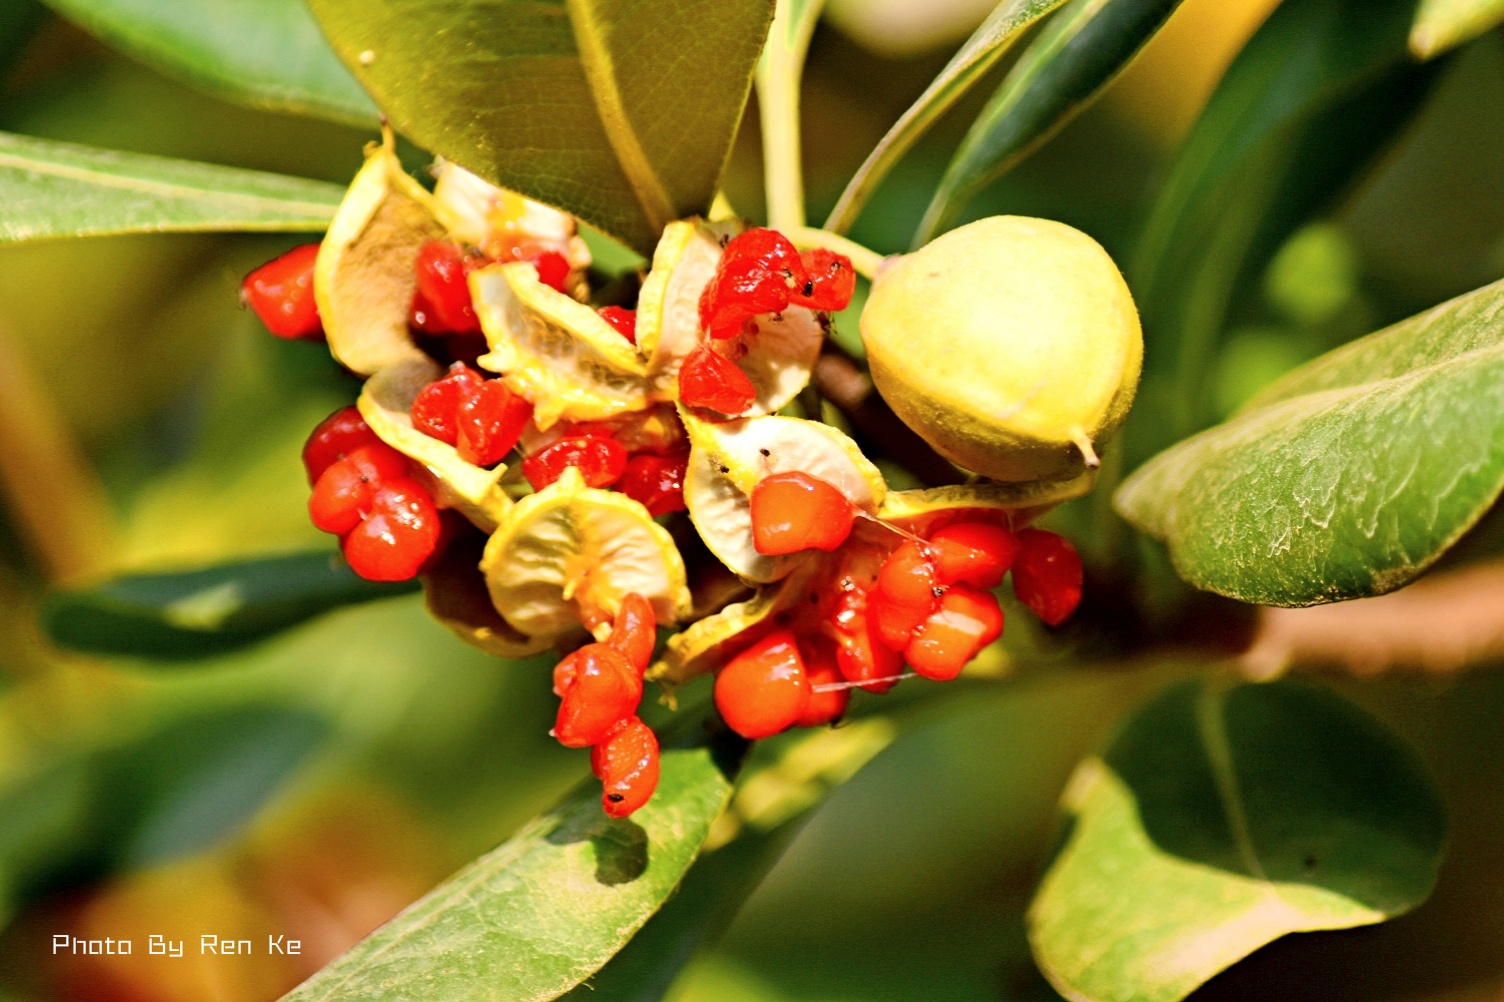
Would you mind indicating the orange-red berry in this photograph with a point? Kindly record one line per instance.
(489, 422)
(333, 439)
(281, 294)
(1047, 575)
(966, 621)
(622, 320)
(343, 494)
(600, 459)
(908, 576)
(828, 695)
(796, 511)
(831, 281)
(974, 553)
(861, 655)
(398, 535)
(635, 631)
(600, 690)
(626, 763)
(657, 482)
(442, 303)
(763, 690)
(711, 380)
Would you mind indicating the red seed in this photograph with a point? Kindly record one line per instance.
(622, 320)
(908, 576)
(763, 690)
(626, 763)
(344, 492)
(757, 273)
(397, 537)
(710, 379)
(819, 655)
(830, 284)
(489, 422)
(600, 459)
(974, 553)
(333, 439)
(656, 482)
(795, 511)
(442, 303)
(553, 270)
(600, 690)
(280, 292)
(1047, 575)
(895, 623)
(435, 410)
(967, 621)
(634, 632)
(861, 655)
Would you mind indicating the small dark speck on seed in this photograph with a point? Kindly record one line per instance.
(765, 453)
(938, 591)
(724, 469)
(615, 798)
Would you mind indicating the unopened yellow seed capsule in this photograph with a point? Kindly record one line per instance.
(1011, 345)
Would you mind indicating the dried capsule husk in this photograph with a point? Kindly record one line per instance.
(1011, 345)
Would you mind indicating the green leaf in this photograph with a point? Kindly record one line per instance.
(976, 56)
(545, 910)
(1349, 476)
(1220, 820)
(1442, 25)
(1074, 58)
(19, 21)
(50, 189)
(1319, 88)
(621, 112)
(197, 613)
(263, 53)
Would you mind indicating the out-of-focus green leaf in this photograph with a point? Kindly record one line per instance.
(1349, 476)
(1076, 55)
(1318, 89)
(50, 189)
(1220, 820)
(19, 20)
(208, 611)
(976, 56)
(545, 910)
(178, 788)
(1441, 25)
(264, 53)
(619, 111)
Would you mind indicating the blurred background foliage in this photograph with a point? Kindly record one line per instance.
(313, 785)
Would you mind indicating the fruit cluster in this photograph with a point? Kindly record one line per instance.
(467, 310)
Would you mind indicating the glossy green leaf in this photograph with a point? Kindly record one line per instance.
(50, 189)
(263, 53)
(1319, 88)
(1074, 58)
(1441, 25)
(1349, 476)
(1220, 820)
(197, 613)
(976, 56)
(545, 910)
(619, 111)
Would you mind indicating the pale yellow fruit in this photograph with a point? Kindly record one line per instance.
(1011, 345)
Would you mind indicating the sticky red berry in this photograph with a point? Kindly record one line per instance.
(333, 439)
(435, 410)
(908, 576)
(600, 690)
(894, 622)
(344, 492)
(830, 284)
(656, 482)
(974, 553)
(626, 763)
(489, 422)
(796, 511)
(758, 271)
(281, 294)
(763, 690)
(634, 631)
(1047, 575)
(709, 379)
(553, 270)
(442, 303)
(599, 458)
(622, 320)
(398, 535)
(820, 669)
(968, 620)
(861, 655)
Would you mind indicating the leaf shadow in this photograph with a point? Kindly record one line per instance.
(620, 844)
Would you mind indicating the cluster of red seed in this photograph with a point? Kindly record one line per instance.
(929, 604)
(760, 272)
(600, 688)
(368, 494)
(281, 294)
